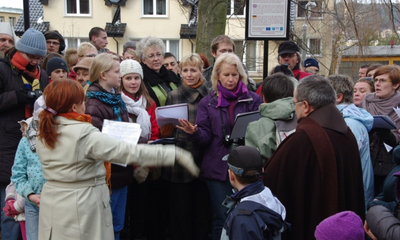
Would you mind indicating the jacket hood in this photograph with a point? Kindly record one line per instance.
(356, 113)
(281, 109)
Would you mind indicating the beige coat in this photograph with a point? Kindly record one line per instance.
(75, 200)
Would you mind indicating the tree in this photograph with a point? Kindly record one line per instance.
(211, 23)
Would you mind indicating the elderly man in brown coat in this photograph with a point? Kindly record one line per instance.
(316, 171)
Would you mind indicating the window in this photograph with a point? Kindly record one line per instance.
(74, 42)
(154, 8)
(247, 52)
(314, 46)
(314, 12)
(235, 7)
(12, 21)
(77, 7)
(1, 19)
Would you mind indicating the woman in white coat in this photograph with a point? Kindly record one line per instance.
(75, 200)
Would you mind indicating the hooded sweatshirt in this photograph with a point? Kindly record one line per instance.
(360, 122)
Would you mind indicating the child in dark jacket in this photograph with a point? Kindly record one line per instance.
(254, 212)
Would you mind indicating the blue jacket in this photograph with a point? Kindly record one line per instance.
(257, 215)
(27, 174)
(360, 123)
(210, 134)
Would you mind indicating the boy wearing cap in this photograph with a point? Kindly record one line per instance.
(54, 41)
(57, 69)
(254, 213)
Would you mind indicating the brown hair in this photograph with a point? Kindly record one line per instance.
(206, 64)
(71, 57)
(141, 92)
(369, 81)
(48, 57)
(392, 70)
(59, 95)
(221, 39)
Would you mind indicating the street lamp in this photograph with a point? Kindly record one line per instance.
(307, 7)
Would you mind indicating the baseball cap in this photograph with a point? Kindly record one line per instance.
(288, 47)
(311, 62)
(243, 159)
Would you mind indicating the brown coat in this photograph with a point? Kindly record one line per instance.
(302, 182)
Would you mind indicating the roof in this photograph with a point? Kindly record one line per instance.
(116, 30)
(373, 51)
(188, 32)
(35, 13)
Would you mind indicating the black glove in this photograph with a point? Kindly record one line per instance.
(24, 97)
(386, 136)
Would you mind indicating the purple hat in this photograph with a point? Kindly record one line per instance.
(344, 225)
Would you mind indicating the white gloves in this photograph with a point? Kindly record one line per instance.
(185, 159)
(141, 173)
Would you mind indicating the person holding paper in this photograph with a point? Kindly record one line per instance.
(75, 200)
(381, 102)
(188, 198)
(105, 102)
(141, 109)
(215, 118)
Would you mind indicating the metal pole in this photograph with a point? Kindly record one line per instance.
(265, 63)
(26, 15)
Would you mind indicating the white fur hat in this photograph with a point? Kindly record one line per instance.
(131, 66)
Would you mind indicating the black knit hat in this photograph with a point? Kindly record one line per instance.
(243, 159)
(288, 47)
(56, 63)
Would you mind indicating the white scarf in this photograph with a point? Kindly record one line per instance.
(138, 108)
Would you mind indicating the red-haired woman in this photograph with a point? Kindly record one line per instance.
(75, 200)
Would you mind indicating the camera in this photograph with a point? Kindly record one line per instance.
(35, 94)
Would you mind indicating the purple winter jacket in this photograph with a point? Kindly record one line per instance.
(210, 135)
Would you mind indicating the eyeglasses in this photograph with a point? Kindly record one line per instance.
(287, 55)
(53, 42)
(33, 57)
(152, 56)
(381, 80)
(299, 102)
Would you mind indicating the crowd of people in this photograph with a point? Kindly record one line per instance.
(314, 165)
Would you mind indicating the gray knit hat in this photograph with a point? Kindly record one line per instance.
(32, 42)
(131, 66)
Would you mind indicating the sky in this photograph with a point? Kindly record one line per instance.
(13, 3)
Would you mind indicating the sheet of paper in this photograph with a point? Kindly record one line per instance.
(171, 114)
(123, 131)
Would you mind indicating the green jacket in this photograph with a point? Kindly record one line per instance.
(262, 133)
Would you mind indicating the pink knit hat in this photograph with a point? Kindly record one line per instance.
(344, 225)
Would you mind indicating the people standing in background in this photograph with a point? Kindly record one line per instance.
(372, 69)
(57, 69)
(20, 76)
(98, 37)
(361, 88)
(8, 39)
(214, 121)
(158, 79)
(289, 53)
(362, 72)
(382, 102)
(188, 198)
(360, 123)
(311, 66)
(71, 57)
(54, 41)
(171, 63)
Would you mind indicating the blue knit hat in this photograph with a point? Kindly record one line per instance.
(56, 63)
(32, 42)
(311, 62)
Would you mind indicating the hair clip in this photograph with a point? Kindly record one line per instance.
(51, 110)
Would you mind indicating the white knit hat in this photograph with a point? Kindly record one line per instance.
(131, 66)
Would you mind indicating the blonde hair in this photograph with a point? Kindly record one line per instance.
(71, 57)
(193, 59)
(100, 64)
(230, 59)
(84, 47)
(132, 52)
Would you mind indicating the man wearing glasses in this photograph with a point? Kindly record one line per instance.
(289, 53)
(54, 41)
(21, 83)
(316, 172)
